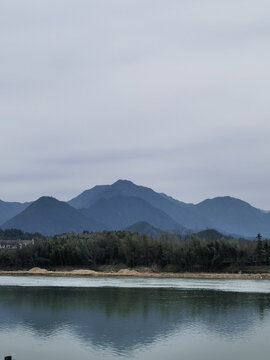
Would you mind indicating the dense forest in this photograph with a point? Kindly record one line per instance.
(123, 249)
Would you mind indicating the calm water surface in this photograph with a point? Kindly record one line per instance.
(44, 318)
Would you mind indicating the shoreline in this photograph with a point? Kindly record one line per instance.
(134, 273)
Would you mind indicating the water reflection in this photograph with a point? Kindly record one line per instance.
(126, 319)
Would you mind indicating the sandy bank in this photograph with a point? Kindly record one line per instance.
(134, 273)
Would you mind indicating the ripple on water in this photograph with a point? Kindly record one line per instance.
(248, 286)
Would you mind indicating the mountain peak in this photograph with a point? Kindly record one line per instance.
(50, 216)
(123, 183)
(47, 199)
(225, 201)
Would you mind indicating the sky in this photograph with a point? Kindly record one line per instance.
(173, 95)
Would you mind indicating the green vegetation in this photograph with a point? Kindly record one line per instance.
(15, 234)
(167, 253)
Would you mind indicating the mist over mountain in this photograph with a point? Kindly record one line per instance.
(124, 204)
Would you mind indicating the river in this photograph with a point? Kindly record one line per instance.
(45, 318)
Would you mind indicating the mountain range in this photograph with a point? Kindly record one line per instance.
(127, 206)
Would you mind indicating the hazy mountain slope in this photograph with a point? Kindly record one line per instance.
(10, 209)
(180, 212)
(121, 211)
(50, 216)
(143, 227)
(234, 216)
(89, 197)
(225, 214)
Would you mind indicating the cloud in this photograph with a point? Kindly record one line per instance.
(171, 95)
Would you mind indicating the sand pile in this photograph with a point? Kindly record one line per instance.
(37, 270)
(128, 272)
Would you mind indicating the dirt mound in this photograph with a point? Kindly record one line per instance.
(128, 272)
(37, 270)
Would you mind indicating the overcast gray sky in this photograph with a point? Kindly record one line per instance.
(170, 94)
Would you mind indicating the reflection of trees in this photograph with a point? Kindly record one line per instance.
(129, 317)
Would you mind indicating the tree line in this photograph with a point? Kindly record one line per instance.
(15, 234)
(120, 248)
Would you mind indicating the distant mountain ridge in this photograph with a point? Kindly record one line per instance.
(124, 204)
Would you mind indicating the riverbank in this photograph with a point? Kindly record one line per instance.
(134, 273)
